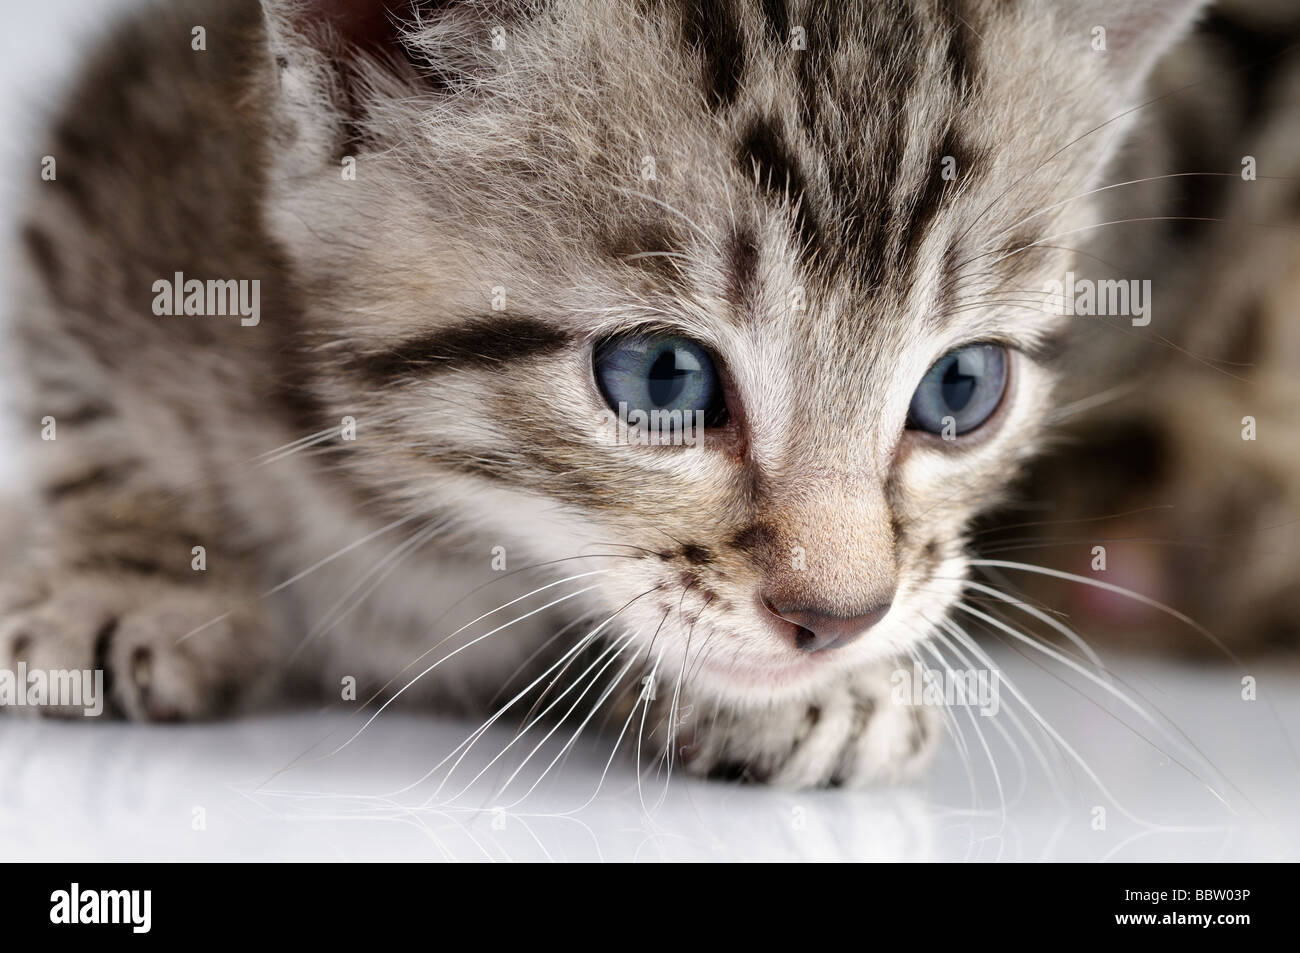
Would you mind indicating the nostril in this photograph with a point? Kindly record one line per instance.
(804, 638)
(814, 629)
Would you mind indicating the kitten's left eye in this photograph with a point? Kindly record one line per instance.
(965, 384)
(660, 372)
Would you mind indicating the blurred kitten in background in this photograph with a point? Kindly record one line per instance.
(1157, 459)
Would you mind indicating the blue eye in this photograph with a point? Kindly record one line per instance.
(659, 372)
(966, 384)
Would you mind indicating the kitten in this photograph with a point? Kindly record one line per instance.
(469, 248)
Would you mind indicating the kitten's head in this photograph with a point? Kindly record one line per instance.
(826, 228)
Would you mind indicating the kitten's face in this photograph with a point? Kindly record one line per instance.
(804, 232)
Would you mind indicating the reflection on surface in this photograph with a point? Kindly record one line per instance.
(287, 786)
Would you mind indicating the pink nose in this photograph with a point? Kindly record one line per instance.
(814, 629)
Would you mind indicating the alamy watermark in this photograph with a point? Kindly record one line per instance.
(55, 688)
(77, 905)
(642, 428)
(214, 297)
(973, 688)
(1103, 297)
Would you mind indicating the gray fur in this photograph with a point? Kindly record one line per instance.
(777, 170)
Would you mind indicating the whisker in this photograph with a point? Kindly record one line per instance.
(618, 678)
(491, 582)
(533, 656)
(1117, 185)
(1139, 219)
(608, 657)
(380, 571)
(1021, 766)
(960, 635)
(1118, 590)
(607, 621)
(1084, 519)
(1109, 686)
(645, 710)
(308, 571)
(1065, 630)
(472, 739)
(643, 701)
(462, 648)
(958, 736)
(1083, 764)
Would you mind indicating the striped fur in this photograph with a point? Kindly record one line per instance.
(798, 222)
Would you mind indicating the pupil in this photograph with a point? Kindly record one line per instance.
(958, 386)
(665, 380)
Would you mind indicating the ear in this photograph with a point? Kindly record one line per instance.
(340, 25)
(334, 59)
(1131, 34)
(345, 30)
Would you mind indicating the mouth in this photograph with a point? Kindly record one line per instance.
(747, 673)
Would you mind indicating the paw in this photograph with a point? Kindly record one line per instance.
(853, 734)
(167, 651)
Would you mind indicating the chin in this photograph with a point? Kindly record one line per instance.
(752, 680)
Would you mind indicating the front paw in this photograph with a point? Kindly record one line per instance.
(853, 734)
(167, 651)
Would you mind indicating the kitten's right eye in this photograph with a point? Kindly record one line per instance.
(660, 372)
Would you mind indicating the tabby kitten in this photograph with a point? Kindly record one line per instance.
(476, 245)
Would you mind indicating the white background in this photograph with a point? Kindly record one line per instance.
(1208, 776)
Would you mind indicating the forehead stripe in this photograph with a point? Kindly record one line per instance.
(711, 32)
(762, 148)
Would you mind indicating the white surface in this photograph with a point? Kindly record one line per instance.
(269, 787)
(279, 787)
